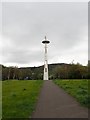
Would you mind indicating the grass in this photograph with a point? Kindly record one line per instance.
(77, 88)
(19, 98)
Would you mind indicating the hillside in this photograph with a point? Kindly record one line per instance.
(56, 71)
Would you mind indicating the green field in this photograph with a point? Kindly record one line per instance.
(77, 88)
(20, 97)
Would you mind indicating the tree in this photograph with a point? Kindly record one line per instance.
(4, 73)
(60, 72)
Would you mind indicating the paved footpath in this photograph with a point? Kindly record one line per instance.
(54, 102)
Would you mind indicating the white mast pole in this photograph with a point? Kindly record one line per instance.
(45, 76)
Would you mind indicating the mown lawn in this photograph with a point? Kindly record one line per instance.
(77, 88)
(19, 97)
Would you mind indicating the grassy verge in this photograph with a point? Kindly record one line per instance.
(19, 98)
(77, 88)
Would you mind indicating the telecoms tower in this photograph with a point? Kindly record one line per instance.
(45, 77)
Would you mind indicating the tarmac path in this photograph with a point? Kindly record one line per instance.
(54, 102)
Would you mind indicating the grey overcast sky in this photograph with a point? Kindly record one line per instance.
(24, 25)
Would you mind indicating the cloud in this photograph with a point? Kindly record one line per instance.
(25, 24)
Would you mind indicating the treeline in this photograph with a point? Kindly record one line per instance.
(21, 73)
(70, 71)
(56, 71)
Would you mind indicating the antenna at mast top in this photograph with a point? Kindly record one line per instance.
(45, 38)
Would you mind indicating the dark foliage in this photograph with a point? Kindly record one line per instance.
(56, 71)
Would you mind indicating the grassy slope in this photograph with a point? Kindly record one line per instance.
(77, 88)
(19, 98)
